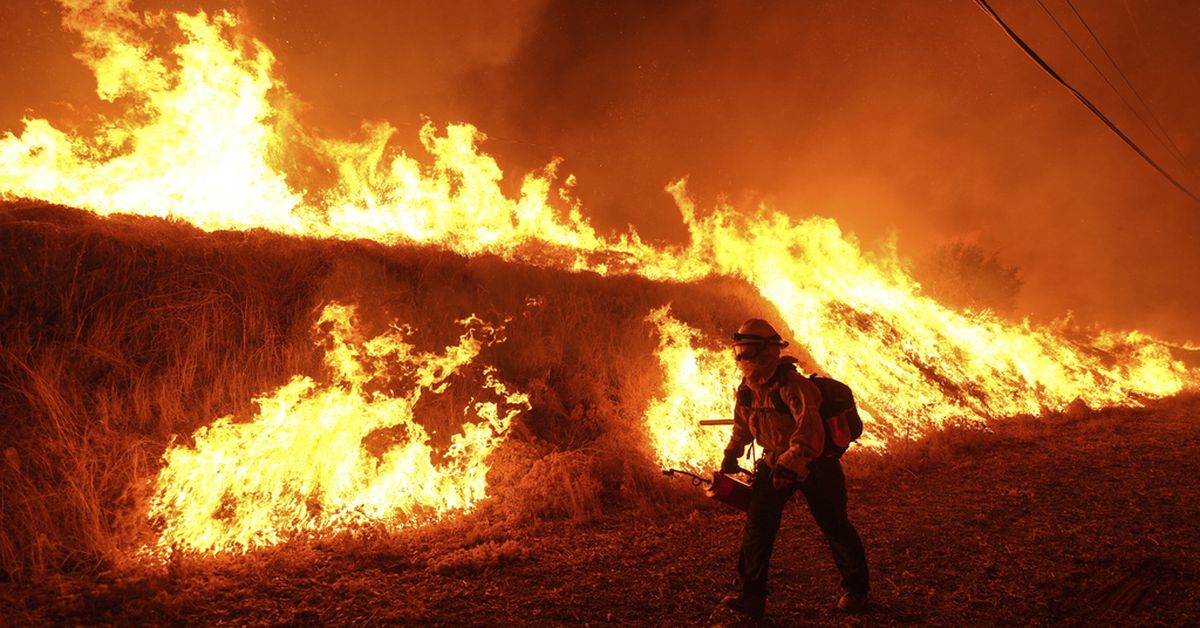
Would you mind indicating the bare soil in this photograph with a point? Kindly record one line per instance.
(1078, 518)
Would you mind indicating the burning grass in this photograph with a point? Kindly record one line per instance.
(203, 130)
(1068, 519)
(151, 368)
(124, 335)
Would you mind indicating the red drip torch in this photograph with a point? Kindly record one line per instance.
(722, 487)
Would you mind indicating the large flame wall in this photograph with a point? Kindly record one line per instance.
(207, 136)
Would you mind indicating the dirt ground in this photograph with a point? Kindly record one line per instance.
(1080, 518)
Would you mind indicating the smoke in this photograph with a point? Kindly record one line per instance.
(920, 120)
(917, 118)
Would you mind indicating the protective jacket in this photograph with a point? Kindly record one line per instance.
(781, 414)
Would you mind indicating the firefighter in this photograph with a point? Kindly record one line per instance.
(777, 407)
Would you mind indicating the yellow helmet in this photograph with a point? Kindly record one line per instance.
(753, 337)
(757, 331)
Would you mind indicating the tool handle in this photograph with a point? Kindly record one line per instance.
(696, 480)
(707, 422)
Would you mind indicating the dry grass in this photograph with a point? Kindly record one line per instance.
(119, 335)
(480, 557)
(1069, 520)
(113, 343)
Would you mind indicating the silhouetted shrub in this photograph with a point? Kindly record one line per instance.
(964, 275)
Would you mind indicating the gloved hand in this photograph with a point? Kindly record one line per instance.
(783, 476)
(729, 464)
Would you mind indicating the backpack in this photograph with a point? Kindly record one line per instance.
(838, 413)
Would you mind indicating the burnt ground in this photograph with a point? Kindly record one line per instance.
(1083, 518)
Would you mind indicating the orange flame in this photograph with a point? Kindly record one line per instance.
(913, 363)
(698, 385)
(301, 467)
(1046, 372)
(202, 142)
(194, 141)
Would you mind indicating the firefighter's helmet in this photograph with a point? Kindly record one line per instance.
(753, 336)
(757, 331)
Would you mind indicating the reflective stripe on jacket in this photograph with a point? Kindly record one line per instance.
(792, 435)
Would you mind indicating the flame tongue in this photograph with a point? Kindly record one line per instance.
(698, 385)
(301, 466)
(194, 141)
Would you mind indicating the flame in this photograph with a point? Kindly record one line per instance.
(301, 466)
(909, 359)
(698, 384)
(194, 141)
(1050, 373)
(206, 137)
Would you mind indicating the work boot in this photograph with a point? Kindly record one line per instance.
(751, 606)
(852, 603)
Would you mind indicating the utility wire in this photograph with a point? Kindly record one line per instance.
(1104, 76)
(983, 4)
(1162, 129)
(1137, 30)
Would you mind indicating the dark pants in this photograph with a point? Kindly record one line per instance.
(825, 490)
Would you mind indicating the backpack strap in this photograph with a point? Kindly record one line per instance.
(744, 396)
(776, 381)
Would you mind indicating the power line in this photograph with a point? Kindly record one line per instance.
(1108, 82)
(1083, 99)
(1162, 129)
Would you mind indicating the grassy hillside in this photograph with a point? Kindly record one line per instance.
(120, 335)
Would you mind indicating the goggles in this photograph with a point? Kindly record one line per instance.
(748, 346)
(747, 351)
(752, 338)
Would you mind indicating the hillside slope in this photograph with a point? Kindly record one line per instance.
(122, 334)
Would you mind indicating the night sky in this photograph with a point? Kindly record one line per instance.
(915, 119)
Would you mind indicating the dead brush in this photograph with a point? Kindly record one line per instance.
(960, 440)
(559, 485)
(937, 447)
(119, 336)
(114, 342)
(480, 557)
